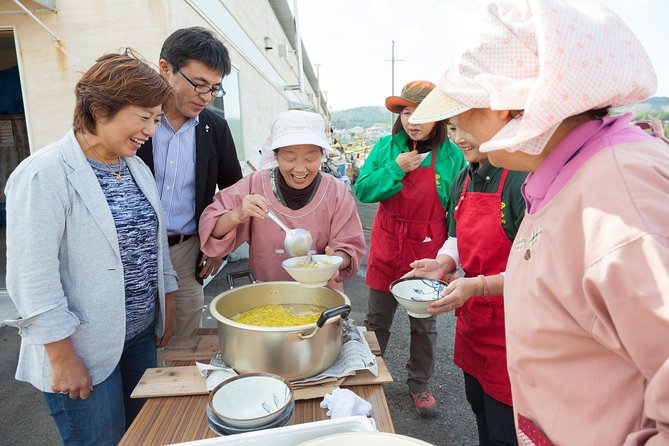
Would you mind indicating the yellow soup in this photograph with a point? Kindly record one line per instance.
(319, 264)
(280, 315)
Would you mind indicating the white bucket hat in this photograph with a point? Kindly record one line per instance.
(551, 58)
(294, 127)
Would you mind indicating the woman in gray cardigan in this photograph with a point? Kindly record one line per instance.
(88, 266)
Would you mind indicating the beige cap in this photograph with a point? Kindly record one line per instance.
(437, 106)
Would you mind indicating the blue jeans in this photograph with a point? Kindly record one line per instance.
(494, 419)
(104, 416)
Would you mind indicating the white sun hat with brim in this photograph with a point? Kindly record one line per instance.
(437, 106)
(291, 128)
(551, 59)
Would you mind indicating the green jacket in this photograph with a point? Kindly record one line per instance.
(381, 177)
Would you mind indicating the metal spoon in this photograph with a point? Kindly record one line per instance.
(297, 241)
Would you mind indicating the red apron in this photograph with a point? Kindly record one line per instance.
(483, 246)
(408, 226)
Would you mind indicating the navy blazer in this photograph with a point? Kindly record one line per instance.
(216, 162)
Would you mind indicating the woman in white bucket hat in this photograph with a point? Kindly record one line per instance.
(293, 187)
(588, 274)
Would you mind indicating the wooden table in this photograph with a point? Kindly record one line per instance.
(182, 418)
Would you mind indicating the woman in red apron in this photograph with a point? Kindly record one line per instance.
(409, 173)
(486, 218)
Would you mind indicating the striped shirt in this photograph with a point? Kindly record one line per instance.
(174, 163)
(137, 233)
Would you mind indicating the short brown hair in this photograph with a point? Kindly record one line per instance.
(114, 82)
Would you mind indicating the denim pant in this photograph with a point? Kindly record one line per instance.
(494, 419)
(104, 416)
(381, 308)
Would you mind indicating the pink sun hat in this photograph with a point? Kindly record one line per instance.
(551, 58)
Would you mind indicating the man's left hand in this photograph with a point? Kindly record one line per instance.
(209, 266)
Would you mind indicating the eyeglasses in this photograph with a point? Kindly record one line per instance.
(203, 89)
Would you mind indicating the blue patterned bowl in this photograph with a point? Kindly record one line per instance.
(251, 400)
(415, 294)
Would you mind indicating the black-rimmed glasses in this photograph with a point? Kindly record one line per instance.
(203, 89)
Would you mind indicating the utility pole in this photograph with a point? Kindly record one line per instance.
(392, 61)
(318, 87)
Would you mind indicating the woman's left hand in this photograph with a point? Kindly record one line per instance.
(430, 268)
(170, 322)
(456, 294)
(345, 264)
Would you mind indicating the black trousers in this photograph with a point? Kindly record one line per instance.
(494, 419)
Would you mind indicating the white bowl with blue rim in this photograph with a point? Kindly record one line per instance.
(251, 400)
(415, 294)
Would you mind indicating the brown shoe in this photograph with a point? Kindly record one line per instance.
(425, 404)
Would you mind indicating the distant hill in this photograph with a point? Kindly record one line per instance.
(655, 104)
(360, 117)
(368, 116)
(658, 104)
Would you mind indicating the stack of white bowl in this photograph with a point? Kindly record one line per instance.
(250, 402)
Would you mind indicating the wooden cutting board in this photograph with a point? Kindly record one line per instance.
(190, 348)
(176, 381)
(202, 348)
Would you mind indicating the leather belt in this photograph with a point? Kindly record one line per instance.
(177, 238)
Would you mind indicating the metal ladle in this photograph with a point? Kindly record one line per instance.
(297, 241)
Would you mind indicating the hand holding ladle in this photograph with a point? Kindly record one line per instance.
(297, 242)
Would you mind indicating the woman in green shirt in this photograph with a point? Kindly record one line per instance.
(487, 212)
(409, 173)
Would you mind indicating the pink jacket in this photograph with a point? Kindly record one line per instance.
(331, 217)
(588, 325)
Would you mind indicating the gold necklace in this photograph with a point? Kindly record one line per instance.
(120, 166)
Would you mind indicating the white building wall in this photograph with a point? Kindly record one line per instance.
(49, 71)
(90, 28)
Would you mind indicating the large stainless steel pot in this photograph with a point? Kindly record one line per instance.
(291, 352)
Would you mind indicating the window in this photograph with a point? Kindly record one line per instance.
(229, 106)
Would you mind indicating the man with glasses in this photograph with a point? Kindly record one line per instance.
(191, 153)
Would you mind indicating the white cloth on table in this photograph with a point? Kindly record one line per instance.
(344, 403)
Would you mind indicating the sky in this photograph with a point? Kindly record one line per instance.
(352, 42)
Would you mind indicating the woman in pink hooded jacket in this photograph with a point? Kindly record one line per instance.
(586, 300)
(298, 193)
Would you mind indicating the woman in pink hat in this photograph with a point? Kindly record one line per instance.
(586, 283)
(292, 186)
(409, 173)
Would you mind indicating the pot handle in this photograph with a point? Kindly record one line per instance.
(342, 310)
(230, 277)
